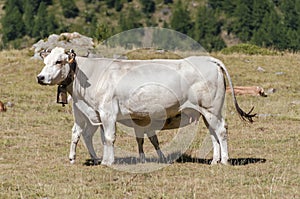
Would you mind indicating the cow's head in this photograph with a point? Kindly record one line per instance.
(57, 66)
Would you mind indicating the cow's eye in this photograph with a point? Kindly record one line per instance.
(58, 62)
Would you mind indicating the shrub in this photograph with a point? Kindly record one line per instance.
(69, 8)
(248, 49)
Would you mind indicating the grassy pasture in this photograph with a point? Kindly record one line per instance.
(35, 137)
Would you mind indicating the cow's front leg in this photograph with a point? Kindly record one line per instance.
(109, 127)
(76, 132)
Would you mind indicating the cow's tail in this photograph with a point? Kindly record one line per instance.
(245, 116)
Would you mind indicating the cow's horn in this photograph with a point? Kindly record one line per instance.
(44, 53)
(72, 55)
(69, 51)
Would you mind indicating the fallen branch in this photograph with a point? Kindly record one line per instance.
(2, 107)
(248, 90)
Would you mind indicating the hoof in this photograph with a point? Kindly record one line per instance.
(142, 158)
(163, 160)
(226, 162)
(72, 161)
(214, 162)
(96, 161)
(106, 163)
(161, 157)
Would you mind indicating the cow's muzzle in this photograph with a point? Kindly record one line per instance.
(40, 79)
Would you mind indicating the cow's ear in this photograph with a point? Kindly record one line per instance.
(45, 53)
(71, 55)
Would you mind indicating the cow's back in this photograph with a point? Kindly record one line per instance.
(143, 87)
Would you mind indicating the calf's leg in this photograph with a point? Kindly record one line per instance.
(153, 139)
(139, 133)
(139, 136)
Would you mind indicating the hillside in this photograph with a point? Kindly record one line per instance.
(214, 24)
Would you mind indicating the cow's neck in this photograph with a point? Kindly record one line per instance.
(70, 89)
(66, 85)
(70, 78)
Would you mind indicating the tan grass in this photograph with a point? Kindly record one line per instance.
(35, 136)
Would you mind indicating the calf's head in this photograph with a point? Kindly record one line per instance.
(57, 66)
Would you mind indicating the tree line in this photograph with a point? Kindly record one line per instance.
(267, 23)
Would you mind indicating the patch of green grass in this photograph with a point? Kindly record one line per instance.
(248, 49)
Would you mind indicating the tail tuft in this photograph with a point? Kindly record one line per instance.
(245, 116)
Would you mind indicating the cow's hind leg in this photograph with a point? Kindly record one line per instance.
(153, 138)
(215, 142)
(218, 131)
(88, 134)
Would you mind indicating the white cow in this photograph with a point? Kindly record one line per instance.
(144, 94)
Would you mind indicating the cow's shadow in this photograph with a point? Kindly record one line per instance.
(234, 161)
(184, 158)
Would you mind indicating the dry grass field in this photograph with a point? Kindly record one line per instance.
(35, 136)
